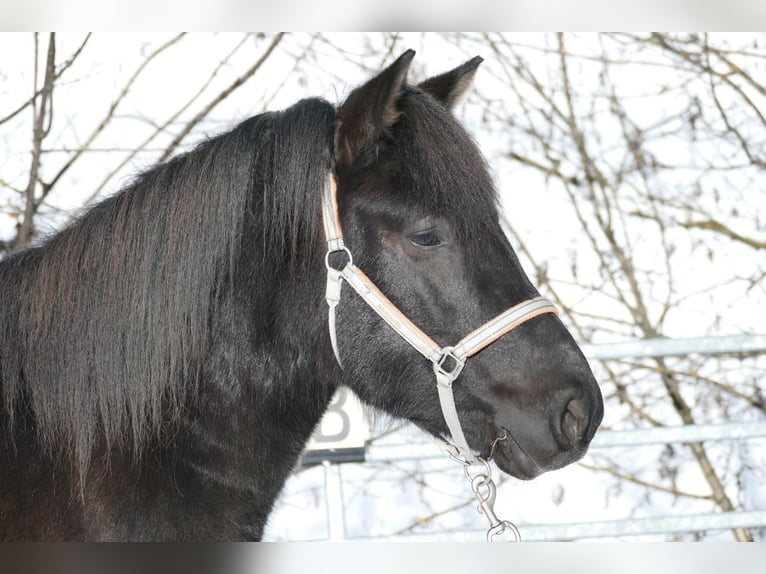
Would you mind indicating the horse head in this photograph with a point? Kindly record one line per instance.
(419, 213)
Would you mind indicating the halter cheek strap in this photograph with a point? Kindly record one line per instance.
(448, 362)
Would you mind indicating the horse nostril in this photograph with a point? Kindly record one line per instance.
(575, 421)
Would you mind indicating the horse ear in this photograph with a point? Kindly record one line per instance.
(449, 87)
(369, 111)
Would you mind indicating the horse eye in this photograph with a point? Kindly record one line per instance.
(427, 239)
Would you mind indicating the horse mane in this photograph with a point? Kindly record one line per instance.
(104, 327)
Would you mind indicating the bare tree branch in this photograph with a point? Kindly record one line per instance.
(110, 113)
(58, 74)
(220, 97)
(26, 230)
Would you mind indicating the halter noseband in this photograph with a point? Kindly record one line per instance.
(447, 361)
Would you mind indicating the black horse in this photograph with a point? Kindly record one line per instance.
(164, 359)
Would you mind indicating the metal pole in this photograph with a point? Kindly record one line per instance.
(333, 485)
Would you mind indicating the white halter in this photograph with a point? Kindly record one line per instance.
(448, 361)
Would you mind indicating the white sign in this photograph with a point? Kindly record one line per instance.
(344, 425)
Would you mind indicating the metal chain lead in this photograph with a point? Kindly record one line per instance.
(485, 491)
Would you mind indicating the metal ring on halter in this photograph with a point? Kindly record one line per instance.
(343, 249)
(486, 475)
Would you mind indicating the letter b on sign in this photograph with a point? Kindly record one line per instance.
(344, 425)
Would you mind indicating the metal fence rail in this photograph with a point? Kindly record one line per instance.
(606, 529)
(665, 347)
(604, 439)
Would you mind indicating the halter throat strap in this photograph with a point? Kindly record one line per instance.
(447, 362)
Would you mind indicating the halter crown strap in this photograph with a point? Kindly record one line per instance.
(333, 231)
(448, 362)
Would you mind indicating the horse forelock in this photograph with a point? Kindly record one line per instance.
(442, 170)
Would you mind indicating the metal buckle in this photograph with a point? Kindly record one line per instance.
(446, 370)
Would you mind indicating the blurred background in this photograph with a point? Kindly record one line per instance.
(631, 171)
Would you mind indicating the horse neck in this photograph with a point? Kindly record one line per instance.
(264, 388)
